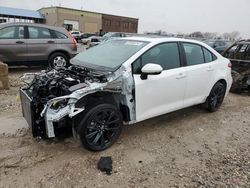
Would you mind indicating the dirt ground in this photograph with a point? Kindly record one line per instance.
(188, 148)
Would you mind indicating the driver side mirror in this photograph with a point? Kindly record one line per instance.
(150, 69)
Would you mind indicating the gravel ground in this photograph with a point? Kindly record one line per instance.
(188, 148)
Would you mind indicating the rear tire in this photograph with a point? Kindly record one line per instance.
(100, 127)
(216, 97)
(58, 60)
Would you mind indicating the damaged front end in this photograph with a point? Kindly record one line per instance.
(53, 99)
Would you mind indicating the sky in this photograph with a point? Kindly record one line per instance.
(173, 16)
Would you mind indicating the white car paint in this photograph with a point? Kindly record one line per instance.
(176, 88)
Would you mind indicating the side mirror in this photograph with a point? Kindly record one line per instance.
(150, 69)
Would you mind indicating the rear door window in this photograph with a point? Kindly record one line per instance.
(15, 32)
(194, 54)
(39, 33)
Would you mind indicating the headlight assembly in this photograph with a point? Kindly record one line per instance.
(57, 105)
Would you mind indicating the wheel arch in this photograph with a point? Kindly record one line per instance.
(89, 101)
(223, 81)
(59, 51)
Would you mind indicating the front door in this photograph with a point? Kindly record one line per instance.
(163, 93)
(13, 45)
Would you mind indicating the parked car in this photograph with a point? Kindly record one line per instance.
(76, 35)
(92, 41)
(111, 35)
(219, 45)
(124, 81)
(239, 55)
(87, 35)
(30, 44)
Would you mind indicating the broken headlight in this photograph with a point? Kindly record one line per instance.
(57, 105)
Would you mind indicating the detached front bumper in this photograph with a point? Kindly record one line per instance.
(43, 121)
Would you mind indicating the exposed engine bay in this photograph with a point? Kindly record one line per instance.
(54, 98)
(61, 82)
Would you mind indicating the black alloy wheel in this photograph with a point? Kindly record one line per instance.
(101, 127)
(216, 97)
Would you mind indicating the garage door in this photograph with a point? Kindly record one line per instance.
(75, 24)
(91, 27)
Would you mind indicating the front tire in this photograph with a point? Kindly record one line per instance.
(100, 127)
(216, 97)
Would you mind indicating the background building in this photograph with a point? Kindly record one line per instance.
(111, 23)
(72, 19)
(86, 21)
(20, 15)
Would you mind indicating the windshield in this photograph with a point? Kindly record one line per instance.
(109, 55)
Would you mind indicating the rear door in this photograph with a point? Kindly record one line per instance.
(40, 43)
(13, 44)
(65, 42)
(200, 70)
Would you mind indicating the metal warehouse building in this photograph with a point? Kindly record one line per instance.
(86, 21)
(20, 15)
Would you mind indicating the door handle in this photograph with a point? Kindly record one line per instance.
(19, 42)
(210, 68)
(181, 75)
(51, 41)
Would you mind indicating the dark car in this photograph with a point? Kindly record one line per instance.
(219, 45)
(86, 35)
(33, 44)
(239, 55)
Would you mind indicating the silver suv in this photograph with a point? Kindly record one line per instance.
(24, 43)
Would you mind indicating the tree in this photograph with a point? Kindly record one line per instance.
(235, 35)
(196, 34)
(210, 35)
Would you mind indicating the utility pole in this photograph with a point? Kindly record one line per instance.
(82, 4)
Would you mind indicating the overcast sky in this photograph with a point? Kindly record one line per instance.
(168, 15)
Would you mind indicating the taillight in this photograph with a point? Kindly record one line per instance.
(73, 39)
(229, 65)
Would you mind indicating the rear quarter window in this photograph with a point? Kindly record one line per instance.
(209, 56)
(60, 35)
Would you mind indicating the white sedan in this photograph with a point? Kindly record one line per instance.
(124, 81)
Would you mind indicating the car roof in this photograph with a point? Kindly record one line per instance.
(161, 39)
(2, 25)
(245, 42)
